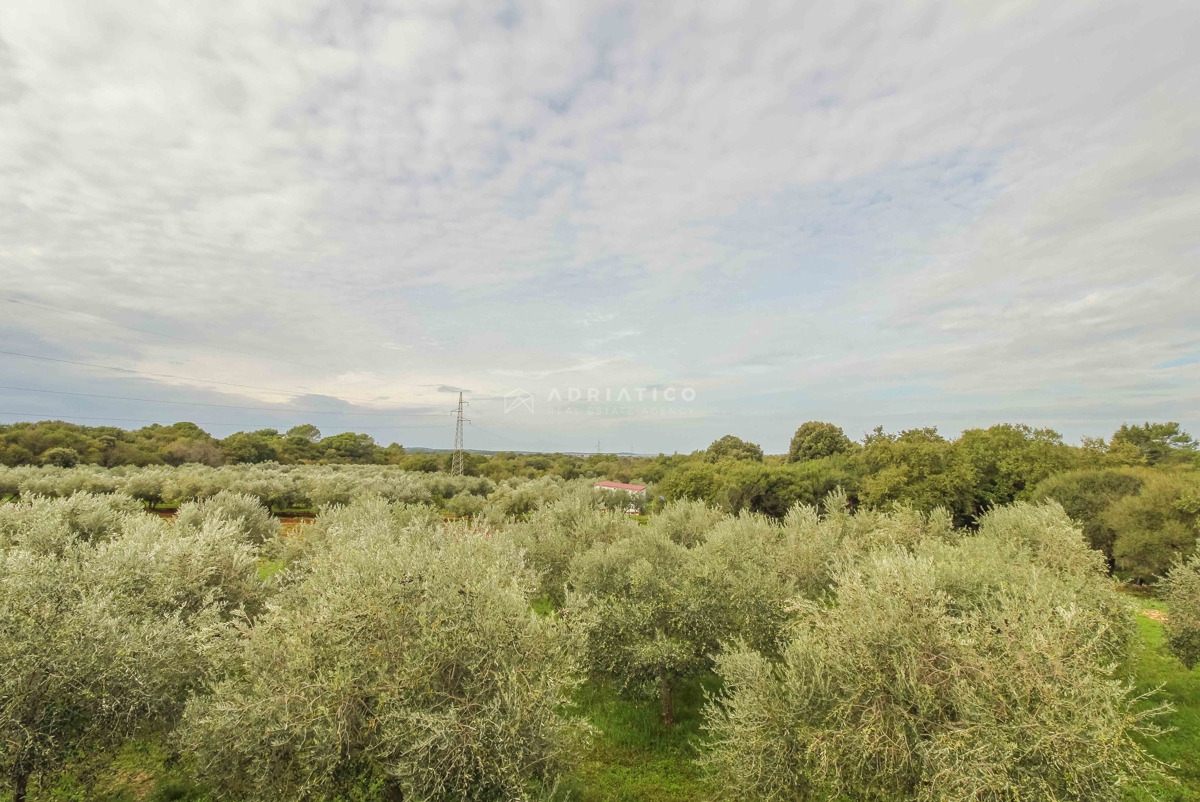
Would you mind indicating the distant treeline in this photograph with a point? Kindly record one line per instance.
(979, 469)
(1136, 494)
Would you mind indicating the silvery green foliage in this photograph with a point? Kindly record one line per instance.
(466, 505)
(48, 525)
(10, 480)
(517, 497)
(106, 634)
(1182, 592)
(52, 481)
(366, 514)
(978, 667)
(244, 512)
(620, 501)
(559, 530)
(686, 522)
(651, 612)
(813, 544)
(147, 485)
(207, 568)
(402, 657)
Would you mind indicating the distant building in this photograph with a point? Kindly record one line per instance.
(636, 489)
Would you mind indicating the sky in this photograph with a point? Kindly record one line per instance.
(633, 227)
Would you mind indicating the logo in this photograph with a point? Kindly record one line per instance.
(516, 399)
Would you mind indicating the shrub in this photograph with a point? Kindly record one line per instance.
(465, 504)
(103, 640)
(686, 522)
(1182, 593)
(406, 666)
(517, 497)
(557, 532)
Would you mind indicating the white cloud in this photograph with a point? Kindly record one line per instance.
(807, 203)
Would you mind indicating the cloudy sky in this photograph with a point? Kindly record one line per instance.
(253, 214)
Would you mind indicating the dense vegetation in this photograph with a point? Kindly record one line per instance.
(1137, 494)
(391, 649)
(944, 623)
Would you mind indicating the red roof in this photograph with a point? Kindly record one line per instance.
(620, 486)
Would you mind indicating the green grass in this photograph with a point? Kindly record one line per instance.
(269, 568)
(140, 771)
(633, 756)
(1180, 687)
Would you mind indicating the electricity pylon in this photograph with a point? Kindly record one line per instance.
(456, 460)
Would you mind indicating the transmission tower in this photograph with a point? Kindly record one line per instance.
(456, 460)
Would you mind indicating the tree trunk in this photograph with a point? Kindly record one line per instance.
(392, 791)
(664, 698)
(20, 784)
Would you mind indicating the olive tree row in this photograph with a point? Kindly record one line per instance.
(108, 619)
(400, 661)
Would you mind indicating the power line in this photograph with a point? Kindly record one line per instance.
(158, 334)
(227, 406)
(203, 423)
(172, 376)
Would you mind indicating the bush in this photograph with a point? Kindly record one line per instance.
(686, 522)
(406, 666)
(103, 640)
(1182, 593)
(465, 504)
(557, 532)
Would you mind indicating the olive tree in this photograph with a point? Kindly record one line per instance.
(651, 612)
(244, 511)
(101, 638)
(977, 669)
(398, 663)
(1183, 624)
(555, 533)
(40, 524)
